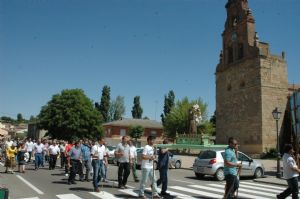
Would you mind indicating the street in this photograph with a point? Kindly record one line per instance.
(51, 184)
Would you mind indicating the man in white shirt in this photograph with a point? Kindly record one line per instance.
(38, 154)
(148, 157)
(97, 153)
(53, 151)
(290, 173)
(133, 156)
(29, 147)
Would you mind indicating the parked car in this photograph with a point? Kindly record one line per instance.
(174, 161)
(211, 163)
(111, 154)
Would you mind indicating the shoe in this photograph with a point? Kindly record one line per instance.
(69, 183)
(278, 196)
(120, 187)
(97, 190)
(156, 197)
(87, 180)
(136, 180)
(125, 187)
(73, 182)
(165, 194)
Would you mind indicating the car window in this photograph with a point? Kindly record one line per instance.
(207, 155)
(243, 157)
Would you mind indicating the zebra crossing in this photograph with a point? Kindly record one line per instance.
(246, 190)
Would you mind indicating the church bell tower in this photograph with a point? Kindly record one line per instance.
(250, 83)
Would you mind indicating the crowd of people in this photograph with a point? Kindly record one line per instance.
(89, 160)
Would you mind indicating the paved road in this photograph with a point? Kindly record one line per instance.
(52, 184)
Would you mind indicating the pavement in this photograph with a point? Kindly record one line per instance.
(270, 170)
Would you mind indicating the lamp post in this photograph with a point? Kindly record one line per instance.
(276, 115)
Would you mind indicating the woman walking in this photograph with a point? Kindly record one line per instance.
(10, 162)
(21, 158)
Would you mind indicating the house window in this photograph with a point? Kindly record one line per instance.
(153, 133)
(122, 132)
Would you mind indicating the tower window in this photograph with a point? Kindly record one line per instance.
(230, 55)
(240, 51)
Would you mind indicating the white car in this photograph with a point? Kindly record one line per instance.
(211, 163)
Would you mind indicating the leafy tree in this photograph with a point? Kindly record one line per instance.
(116, 109)
(207, 128)
(137, 110)
(178, 120)
(20, 118)
(168, 104)
(136, 132)
(146, 118)
(32, 118)
(104, 103)
(71, 115)
(8, 119)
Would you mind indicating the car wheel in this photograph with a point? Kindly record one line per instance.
(199, 175)
(220, 174)
(258, 173)
(177, 164)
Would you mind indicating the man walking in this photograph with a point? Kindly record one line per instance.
(122, 152)
(133, 156)
(53, 153)
(74, 162)
(290, 173)
(97, 153)
(86, 158)
(148, 157)
(163, 166)
(231, 168)
(29, 147)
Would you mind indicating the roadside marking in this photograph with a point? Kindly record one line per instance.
(173, 193)
(184, 181)
(30, 185)
(246, 191)
(202, 193)
(30, 198)
(104, 195)
(1, 164)
(129, 191)
(68, 196)
(263, 185)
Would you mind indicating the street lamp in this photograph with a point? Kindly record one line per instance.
(276, 115)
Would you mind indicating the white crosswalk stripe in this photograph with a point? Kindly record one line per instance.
(251, 190)
(198, 192)
(68, 196)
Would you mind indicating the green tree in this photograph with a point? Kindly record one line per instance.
(71, 115)
(20, 118)
(178, 119)
(103, 108)
(8, 119)
(116, 109)
(137, 110)
(168, 104)
(136, 132)
(207, 128)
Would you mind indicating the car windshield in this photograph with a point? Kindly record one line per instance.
(111, 148)
(207, 155)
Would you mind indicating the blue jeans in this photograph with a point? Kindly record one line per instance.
(163, 179)
(38, 160)
(145, 174)
(98, 172)
(292, 189)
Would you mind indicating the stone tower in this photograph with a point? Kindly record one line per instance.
(250, 83)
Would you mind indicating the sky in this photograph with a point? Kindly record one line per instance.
(137, 47)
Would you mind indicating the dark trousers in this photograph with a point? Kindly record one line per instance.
(232, 184)
(74, 169)
(52, 161)
(292, 189)
(123, 173)
(62, 160)
(30, 154)
(163, 179)
(87, 165)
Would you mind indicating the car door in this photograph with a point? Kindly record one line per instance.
(246, 164)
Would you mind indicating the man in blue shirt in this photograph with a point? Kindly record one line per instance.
(163, 166)
(231, 168)
(86, 158)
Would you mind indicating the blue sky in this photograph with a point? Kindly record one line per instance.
(137, 47)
